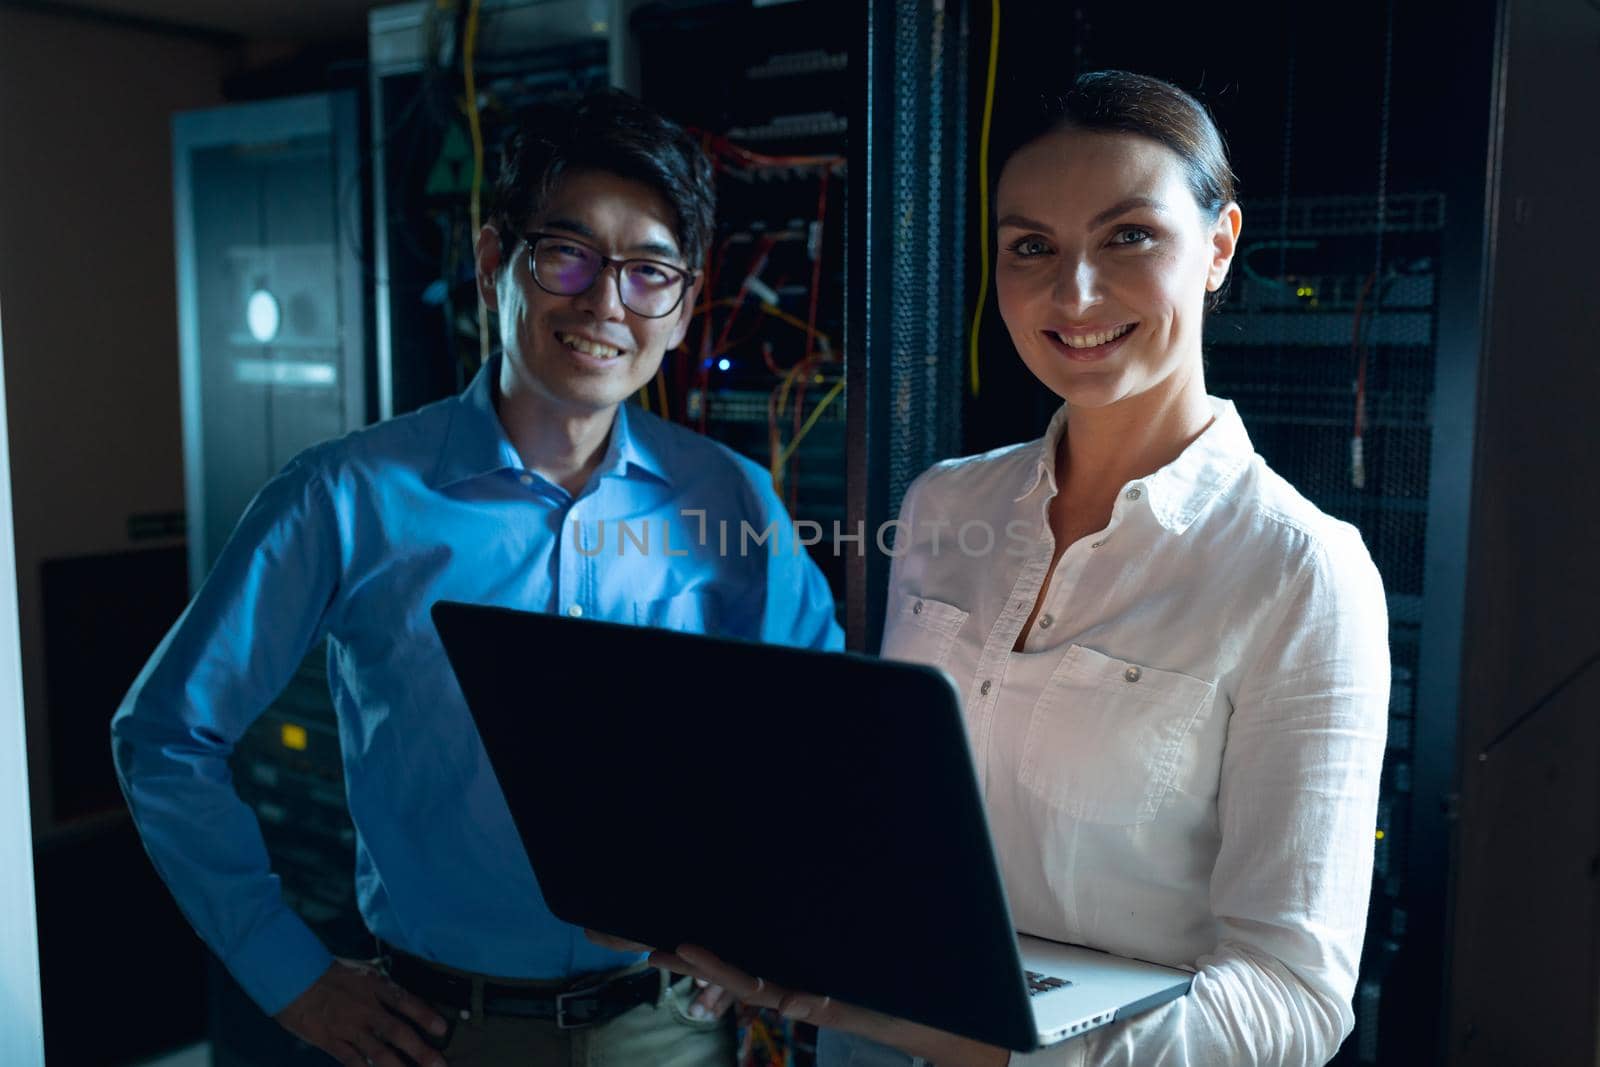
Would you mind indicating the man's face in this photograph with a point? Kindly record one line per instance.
(584, 353)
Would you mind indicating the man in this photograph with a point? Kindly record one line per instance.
(513, 493)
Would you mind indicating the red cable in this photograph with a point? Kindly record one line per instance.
(716, 145)
(816, 265)
(811, 332)
(757, 160)
(757, 265)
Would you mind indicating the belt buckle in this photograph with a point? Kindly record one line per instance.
(561, 1008)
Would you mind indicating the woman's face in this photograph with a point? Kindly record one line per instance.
(1104, 264)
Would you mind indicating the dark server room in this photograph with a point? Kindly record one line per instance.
(799, 532)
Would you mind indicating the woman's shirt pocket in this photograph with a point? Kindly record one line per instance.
(921, 630)
(1106, 737)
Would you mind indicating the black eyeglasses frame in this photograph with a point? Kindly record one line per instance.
(685, 276)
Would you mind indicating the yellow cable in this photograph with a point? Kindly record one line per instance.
(797, 322)
(473, 125)
(774, 451)
(783, 390)
(811, 420)
(774, 439)
(983, 190)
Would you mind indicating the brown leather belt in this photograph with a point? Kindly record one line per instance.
(583, 1002)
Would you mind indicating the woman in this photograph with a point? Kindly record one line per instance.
(1176, 676)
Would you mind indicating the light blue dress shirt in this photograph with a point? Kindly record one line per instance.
(354, 541)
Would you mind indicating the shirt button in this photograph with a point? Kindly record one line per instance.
(1132, 674)
(525, 479)
(984, 688)
(576, 611)
(1045, 621)
(1135, 493)
(1097, 544)
(916, 609)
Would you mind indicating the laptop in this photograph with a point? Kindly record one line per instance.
(813, 818)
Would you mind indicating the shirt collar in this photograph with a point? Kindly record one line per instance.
(1044, 470)
(476, 443)
(635, 445)
(1182, 490)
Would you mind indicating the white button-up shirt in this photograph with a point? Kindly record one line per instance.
(1182, 764)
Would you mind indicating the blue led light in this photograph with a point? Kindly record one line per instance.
(723, 364)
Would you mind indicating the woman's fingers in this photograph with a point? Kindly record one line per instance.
(722, 984)
(819, 1011)
(838, 1015)
(716, 1000)
(748, 988)
(615, 943)
(671, 961)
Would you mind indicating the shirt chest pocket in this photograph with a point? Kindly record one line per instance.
(1106, 736)
(920, 630)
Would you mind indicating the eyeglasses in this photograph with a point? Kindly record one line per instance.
(565, 266)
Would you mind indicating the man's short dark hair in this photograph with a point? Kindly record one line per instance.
(608, 131)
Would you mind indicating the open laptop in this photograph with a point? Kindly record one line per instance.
(813, 818)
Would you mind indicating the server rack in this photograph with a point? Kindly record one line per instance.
(427, 334)
(271, 300)
(763, 369)
(273, 358)
(908, 263)
(1330, 356)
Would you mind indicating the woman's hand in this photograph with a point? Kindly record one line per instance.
(949, 1050)
(712, 999)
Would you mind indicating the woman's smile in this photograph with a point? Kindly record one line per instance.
(1091, 345)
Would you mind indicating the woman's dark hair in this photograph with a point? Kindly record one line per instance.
(1115, 101)
(609, 131)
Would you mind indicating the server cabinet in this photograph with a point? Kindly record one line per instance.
(272, 302)
(272, 337)
(428, 336)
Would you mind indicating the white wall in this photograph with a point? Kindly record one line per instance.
(86, 268)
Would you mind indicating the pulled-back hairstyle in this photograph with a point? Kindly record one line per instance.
(1116, 101)
(608, 131)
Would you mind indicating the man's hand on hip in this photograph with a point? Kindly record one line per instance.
(359, 1017)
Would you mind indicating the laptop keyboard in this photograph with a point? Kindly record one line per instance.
(1044, 983)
